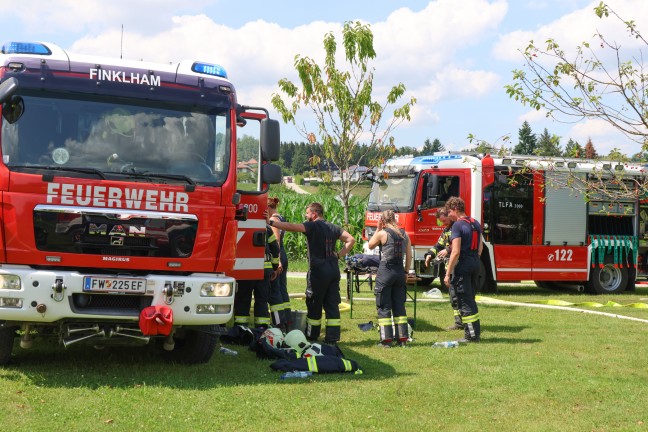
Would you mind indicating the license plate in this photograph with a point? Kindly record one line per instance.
(114, 285)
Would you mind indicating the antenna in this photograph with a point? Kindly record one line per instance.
(121, 44)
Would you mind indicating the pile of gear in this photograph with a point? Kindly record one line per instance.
(292, 351)
(362, 262)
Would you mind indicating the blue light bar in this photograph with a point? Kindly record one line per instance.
(209, 69)
(434, 159)
(25, 48)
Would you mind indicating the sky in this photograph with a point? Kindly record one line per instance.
(453, 56)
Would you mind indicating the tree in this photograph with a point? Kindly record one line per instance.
(548, 145)
(341, 103)
(527, 140)
(584, 86)
(590, 151)
(432, 147)
(574, 150)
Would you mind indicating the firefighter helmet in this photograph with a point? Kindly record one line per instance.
(273, 336)
(313, 350)
(296, 340)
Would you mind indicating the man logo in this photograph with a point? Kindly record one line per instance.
(117, 241)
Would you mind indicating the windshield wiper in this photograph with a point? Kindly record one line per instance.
(94, 171)
(150, 175)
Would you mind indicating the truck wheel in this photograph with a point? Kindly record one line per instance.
(7, 336)
(609, 279)
(485, 284)
(195, 345)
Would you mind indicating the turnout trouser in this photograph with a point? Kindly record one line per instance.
(323, 291)
(464, 281)
(391, 294)
(243, 300)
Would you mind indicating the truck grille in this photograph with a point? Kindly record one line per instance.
(109, 304)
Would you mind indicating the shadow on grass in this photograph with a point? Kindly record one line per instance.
(51, 366)
(509, 341)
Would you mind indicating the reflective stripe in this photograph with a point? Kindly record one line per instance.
(312, 364)
(261, 320)
(241, 319)
(348, 367)
(267, 265)
(272, 238)
(470, 318)
(400, 320)
(286, 305)
(333, 322)
(248, 263)
(385, 321)
(276, 308)
(313, 322)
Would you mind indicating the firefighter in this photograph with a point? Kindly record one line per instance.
(391, 279)
(440, 251)
(260, 288)
(323, 278)
(463, 266)
(279, 299)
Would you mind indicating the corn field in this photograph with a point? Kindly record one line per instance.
(292, 206)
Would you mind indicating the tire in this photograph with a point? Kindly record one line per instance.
(7, 336)
(609, 279)
(485, 284)
(195, 345)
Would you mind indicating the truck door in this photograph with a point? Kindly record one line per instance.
(508, 213)
(433, 192)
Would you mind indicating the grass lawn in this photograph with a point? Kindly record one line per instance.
(535, 370)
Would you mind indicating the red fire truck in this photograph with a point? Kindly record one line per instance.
(120, 208)
(538, 224)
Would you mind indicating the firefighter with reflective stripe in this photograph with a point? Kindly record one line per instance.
(463, 266)
(279, 298)
(323, 278)
(260, 288)
(441, 251)
(391, 279)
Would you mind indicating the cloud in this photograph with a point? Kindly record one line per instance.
(574, 28)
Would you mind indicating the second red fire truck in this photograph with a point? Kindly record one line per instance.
(553, 221)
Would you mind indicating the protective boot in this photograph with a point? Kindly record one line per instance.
(332, 333)
(386, 328)
(313, 329)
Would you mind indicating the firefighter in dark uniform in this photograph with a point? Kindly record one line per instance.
(391, 279)
(463, 266)
(323, 279)
(279, 298)
(260, 288)
(441, 251)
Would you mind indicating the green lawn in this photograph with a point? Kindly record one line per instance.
(535, 370)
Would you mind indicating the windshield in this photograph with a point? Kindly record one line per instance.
(113, 139)
(395, 193)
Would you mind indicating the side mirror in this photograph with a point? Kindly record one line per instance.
(8, 88)
(270, 145)
(271, 174)
(13, 109)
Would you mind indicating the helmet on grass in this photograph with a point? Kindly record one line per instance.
(273, 336)
(296, 340)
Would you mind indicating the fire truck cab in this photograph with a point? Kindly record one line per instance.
(543, 219)
(119, 208)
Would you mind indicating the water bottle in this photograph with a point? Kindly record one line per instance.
(296, 374)
(446, 344)
(227, 351)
